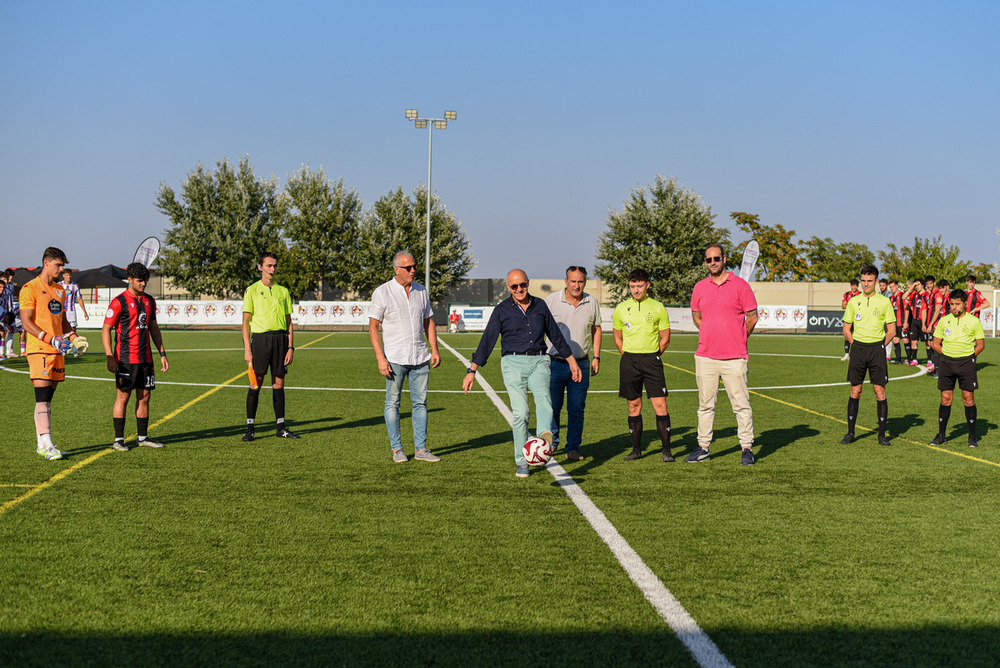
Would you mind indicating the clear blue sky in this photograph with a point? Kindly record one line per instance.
(863, 121)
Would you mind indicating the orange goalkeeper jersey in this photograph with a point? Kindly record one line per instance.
(47, 302)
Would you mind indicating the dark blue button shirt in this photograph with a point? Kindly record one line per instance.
(521, 331)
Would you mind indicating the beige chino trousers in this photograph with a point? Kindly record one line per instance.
(733, 374)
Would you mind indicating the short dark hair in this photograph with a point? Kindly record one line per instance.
(637, 275)
(869, 270)
(971, 277)
(722, 250)
(53, 253)
(883, 280)
(929, 279)
(265, 255)
(137, 270)
(573, 267)
(958, 293)
(854, 281)
(943, 282)
(893, 280)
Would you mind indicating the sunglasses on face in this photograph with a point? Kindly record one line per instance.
(519, 286)
(411, 267)
(714, 258)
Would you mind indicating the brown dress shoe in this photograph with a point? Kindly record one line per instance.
(574, 456)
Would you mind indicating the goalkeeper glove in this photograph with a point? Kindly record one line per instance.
(61, 345)
(80, 346)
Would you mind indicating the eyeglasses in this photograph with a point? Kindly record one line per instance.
(582, 270)
(518, 286)
(714, 258)
(412, 267)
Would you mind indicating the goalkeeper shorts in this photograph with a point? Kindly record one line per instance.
(46, 366)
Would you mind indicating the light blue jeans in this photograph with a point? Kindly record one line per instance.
(419, 375)
(521, 374)
(576, 402)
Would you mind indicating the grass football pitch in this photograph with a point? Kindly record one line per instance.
(323, 551)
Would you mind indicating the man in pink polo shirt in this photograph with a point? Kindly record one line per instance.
(725, 313)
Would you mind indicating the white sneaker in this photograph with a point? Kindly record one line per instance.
(120, 446)
(845, 358)
(150, 444)
(49, 453)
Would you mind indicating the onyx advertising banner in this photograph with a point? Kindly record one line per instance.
(825, 321)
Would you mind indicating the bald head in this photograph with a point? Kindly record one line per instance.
(516, 276)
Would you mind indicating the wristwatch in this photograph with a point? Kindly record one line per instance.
(469, 370)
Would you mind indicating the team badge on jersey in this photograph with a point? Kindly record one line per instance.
(628, 326)
(947, 331)
(55, 307)
(109, 313)
(857, 316)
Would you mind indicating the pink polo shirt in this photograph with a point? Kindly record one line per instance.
(723, 333)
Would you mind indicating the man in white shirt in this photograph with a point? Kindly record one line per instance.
(579, 318)
(73, 298)
(403, 309)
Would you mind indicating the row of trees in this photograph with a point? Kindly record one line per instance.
(223, 218)
(665, 228)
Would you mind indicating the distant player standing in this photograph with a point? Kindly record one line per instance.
(267, 341)
(44, 318)
(850, 294)
(958, 337)
(132, 317)
(12, 318)
(874, 325)
(73, 298)
(453, 319)
(919, 312)
(976, 301)
(899, 309)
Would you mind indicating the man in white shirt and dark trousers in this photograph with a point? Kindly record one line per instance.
(579, 318)
(402, 307)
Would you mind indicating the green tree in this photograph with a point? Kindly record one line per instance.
(780, 258)
(398, 222)
(664, 229)
(320, 221)
(925, 257)
(830, 261)
(219, 225)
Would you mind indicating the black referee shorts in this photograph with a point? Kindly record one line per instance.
(961, 369)
(867, 358)
(268, 350)
(638, 369)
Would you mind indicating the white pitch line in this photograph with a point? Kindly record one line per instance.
(680, 621)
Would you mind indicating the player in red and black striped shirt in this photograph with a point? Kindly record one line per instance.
(976, 301)
(132, 316)
(848, 296)
(899, 308)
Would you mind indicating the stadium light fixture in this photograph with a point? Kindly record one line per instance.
(431, 124)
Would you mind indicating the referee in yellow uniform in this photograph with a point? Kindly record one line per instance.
(958, 338)
(869, 326)
(267, 341)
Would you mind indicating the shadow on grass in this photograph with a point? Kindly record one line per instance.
(926, 646)
(899, 426)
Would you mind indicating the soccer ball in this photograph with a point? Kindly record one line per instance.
(537, 452)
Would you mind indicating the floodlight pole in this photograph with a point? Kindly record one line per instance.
(430, 123)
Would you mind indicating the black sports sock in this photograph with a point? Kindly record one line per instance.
(970, 419)
(119, 428)
(898, 349)
(142, 426)
(847, 347)
(663, 426)
(252, 397)
(278, 399)
(635, 431)
(852, 413)
(909, 354)
(944, 413)
(882, 411)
